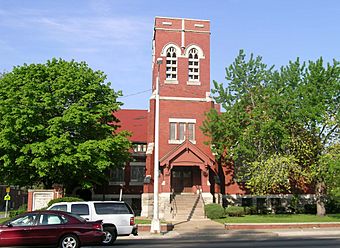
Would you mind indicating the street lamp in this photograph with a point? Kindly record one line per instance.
(155, 223)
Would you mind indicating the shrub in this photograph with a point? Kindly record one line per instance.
(64, 199)
(250, 210)
(22, 209)
(295, 202)
(234, 211)
(214, 211)
(333, 205)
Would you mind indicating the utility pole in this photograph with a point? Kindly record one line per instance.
(155, 223)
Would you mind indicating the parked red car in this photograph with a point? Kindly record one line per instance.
(48, 227)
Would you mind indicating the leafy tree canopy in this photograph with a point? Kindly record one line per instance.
(54, 125)
(276, 124)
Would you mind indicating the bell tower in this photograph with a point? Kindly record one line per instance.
(181, 82)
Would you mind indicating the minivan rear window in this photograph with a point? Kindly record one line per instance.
(81, 209)
(112, 208)
(59, 208)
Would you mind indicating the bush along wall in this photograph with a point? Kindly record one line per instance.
(64, 199)
(214, 211)
(235, 211)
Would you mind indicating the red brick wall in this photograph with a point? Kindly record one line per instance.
(193, 35)
(197, 32)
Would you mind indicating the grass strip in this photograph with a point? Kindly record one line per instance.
(281, 218)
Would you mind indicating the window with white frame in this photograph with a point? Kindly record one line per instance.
(181, 129)
(191, 131)
(173, 131)
(193, 68)
(137, 172)
(171, 64)
(139, 148)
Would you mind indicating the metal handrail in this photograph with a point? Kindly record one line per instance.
(201, 196)
(173, 203)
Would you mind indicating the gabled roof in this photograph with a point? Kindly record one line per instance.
(186, 154)
(135, 121)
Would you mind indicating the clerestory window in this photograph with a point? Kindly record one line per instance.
(171, 64)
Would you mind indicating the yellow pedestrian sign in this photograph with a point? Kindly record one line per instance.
(7, 197)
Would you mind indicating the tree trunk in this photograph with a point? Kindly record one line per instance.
(320, 198)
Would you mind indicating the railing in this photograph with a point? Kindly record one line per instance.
(199, 189)
(173, 204)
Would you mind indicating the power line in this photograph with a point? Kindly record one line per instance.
(133, 94)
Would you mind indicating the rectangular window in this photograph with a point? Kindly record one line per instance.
(139, 148)
(112, 208)
(80, 209)
(181, 133)
(59, 208)
(117, 175)
(137, 172)
(172, 131)
(181, 129)
(191, 131)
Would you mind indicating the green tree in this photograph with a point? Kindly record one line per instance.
(57, 125)
(276, 123)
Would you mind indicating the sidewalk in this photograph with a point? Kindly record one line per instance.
(208, 229)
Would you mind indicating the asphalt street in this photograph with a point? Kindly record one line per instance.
(198, 242)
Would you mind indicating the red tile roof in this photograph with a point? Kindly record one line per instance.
(135, 121)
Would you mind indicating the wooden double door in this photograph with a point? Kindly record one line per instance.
(184, 178)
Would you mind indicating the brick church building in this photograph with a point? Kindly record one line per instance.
(188, 170)
(186, 164)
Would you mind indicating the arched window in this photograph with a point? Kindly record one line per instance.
(193, 67)
(171, 64)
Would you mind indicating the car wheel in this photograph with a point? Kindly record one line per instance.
(110, 235)
(69, 241)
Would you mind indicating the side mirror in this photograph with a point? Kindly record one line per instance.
(9, 224)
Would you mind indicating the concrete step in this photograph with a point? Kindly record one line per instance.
(187, 207)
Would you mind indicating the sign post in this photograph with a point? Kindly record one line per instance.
(7, 198)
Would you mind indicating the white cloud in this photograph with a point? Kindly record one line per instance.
(118, 31)
(89, 30)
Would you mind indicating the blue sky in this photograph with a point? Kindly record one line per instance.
(115, 35)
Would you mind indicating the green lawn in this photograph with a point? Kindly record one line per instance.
(143, 220)
(280, 218)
